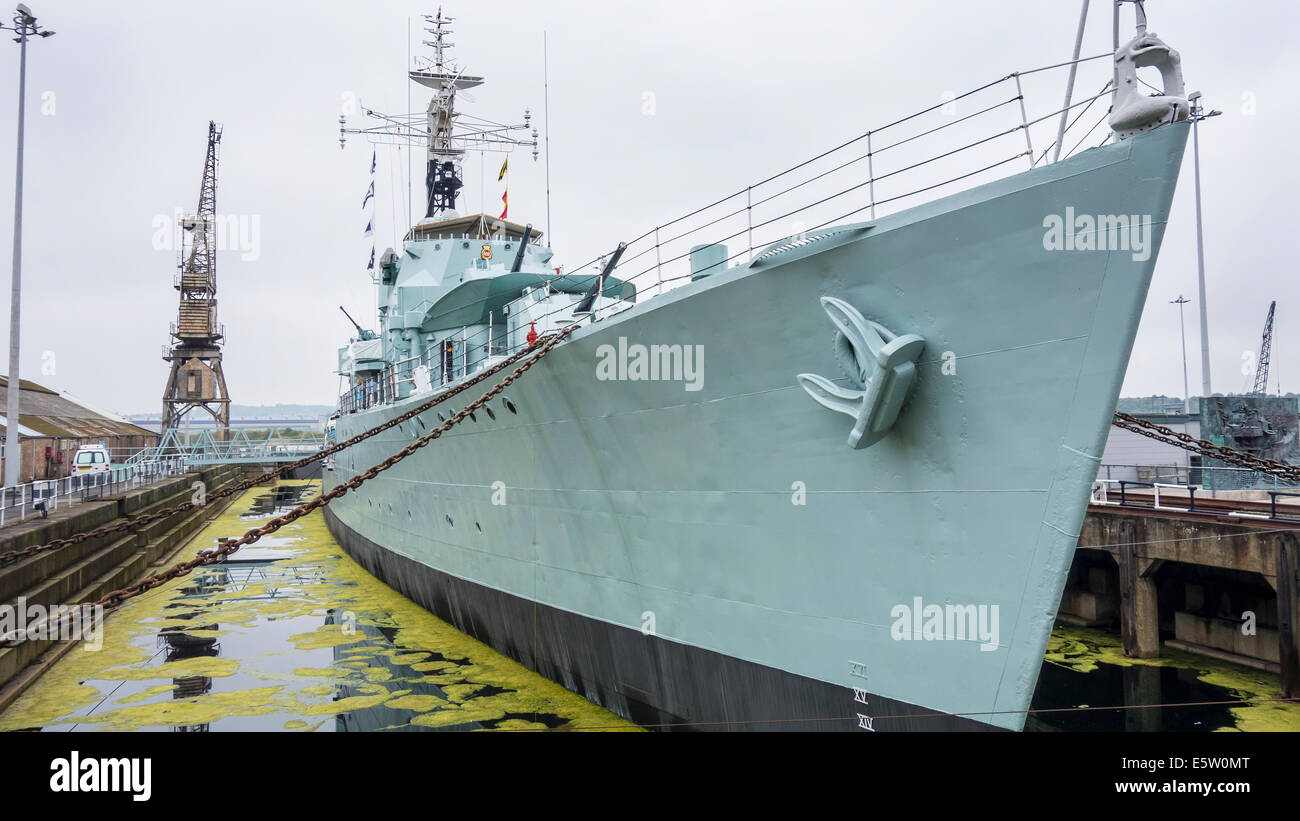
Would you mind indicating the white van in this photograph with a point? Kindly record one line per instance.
(90, 459)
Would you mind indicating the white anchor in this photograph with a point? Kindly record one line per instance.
(885, 371)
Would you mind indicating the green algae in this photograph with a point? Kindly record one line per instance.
(418, 703)
(320, 583)
(185, 668)
(1082, 649)
(145, 694)
(479, 685)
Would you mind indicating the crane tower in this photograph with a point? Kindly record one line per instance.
(196, 379)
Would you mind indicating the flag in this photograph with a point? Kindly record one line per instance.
(371, 266)
(502, 175)
(373, 158)
(505, 203)
(369, 193)
(370, 227)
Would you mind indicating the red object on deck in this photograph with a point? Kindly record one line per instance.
(532, 333)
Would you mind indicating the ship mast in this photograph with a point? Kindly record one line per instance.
(443, 175)
(440, 129)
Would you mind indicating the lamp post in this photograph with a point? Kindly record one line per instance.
(1198, 114)
(1182, 330)
(24, 26)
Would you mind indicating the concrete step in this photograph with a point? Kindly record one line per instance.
(32, 571)
(26, 573)
(112, 567)
(81, 564)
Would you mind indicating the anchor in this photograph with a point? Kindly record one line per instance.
(1133, 112)
(884, 373)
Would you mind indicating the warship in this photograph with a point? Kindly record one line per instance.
(829, 476)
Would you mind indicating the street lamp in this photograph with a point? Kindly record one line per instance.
(1180, 302)
(24, 26)
(1197, 114)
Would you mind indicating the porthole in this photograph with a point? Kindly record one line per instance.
(507, 246)
(479, 526)
(490, 413)
(464, 245)
(449, 521)
(437, 246)
(472, 417)
(510, 406)
(441, 418)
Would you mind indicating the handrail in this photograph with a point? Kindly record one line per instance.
(41, 496)
(824, 189)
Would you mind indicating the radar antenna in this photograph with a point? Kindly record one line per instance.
(441, 128)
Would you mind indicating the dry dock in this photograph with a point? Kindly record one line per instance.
(291, 634)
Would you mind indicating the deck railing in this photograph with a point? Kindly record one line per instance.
(961, 141)
(43, 496)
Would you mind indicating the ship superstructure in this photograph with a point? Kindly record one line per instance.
(464, 288)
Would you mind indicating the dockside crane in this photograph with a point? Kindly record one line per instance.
(196, 379)
(1265, 350)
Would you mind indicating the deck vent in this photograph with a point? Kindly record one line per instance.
(707, 260)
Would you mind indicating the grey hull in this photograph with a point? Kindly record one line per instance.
(736, 520)
(640, 677)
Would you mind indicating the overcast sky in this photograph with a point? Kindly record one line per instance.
(119, 100)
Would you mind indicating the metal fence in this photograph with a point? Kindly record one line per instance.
(229, 446)
(1207, 478)
(40, 497)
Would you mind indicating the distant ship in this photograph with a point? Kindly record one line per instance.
(831, 482)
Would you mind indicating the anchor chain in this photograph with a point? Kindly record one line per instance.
(1168, 436)
(11, 556)
(226, 548)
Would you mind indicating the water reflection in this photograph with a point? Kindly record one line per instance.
(1141, 689)
(278, 500)
(200, 641)
(461, 686)
(289, 634)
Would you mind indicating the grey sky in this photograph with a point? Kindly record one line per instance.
(739, 91)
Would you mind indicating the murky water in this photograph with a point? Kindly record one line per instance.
(290, 634)
(1088, 684)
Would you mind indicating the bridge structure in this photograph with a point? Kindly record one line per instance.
(1214, 576)
(230, 446)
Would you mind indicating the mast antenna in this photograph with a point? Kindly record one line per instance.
(444, 137)
(546, 115)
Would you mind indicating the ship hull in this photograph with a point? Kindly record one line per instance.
(633, 673)
(711, 552)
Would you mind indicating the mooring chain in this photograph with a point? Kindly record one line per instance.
(1205, 448)
(11, 556)
(229, 546)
